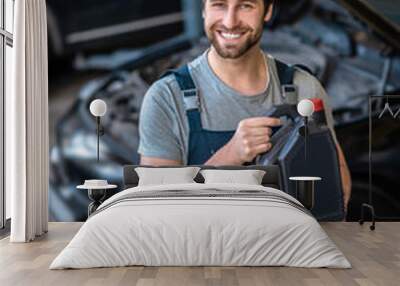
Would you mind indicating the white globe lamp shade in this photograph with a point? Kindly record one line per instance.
(98, 108)
(305, 107)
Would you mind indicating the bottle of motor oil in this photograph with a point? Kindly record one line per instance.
(318, 116)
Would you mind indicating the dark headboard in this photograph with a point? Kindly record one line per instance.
(271, 178)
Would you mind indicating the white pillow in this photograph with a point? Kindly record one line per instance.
(164, 176)
(248, 177)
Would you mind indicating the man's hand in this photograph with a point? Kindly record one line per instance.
(251, 138)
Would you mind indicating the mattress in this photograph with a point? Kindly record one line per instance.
(201, 225)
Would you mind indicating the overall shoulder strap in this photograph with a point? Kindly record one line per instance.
(286, 76)
(186, 85)
(285, 72)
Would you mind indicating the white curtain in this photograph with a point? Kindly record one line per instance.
(27, 136)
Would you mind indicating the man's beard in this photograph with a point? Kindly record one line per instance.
(233, 51)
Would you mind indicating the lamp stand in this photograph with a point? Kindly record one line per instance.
(305, 138)
(98, 137)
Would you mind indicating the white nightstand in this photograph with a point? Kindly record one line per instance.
(305, 190)
(97, 190)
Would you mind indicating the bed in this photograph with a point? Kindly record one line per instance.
(198, 224)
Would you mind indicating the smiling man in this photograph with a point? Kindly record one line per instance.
(211, 110)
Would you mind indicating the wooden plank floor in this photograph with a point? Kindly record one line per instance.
(375, 257)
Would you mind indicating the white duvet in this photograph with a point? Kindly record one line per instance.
(202, 231)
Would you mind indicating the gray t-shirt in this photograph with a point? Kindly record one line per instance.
(163, 125)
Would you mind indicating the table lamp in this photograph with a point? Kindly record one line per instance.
(305, 108)
(305, 185)
(98, 108)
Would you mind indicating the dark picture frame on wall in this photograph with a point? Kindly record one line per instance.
(384, 111)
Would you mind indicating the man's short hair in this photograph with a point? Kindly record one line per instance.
(268, 2)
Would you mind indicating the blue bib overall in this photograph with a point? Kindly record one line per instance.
(204, 143)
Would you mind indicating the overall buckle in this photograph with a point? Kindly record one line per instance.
(191, 99)
(289, 93)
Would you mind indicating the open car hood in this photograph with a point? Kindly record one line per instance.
(367, 11)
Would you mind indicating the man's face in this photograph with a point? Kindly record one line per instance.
(233, 27)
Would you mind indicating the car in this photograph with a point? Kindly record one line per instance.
(352, 47)
(88, 26)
